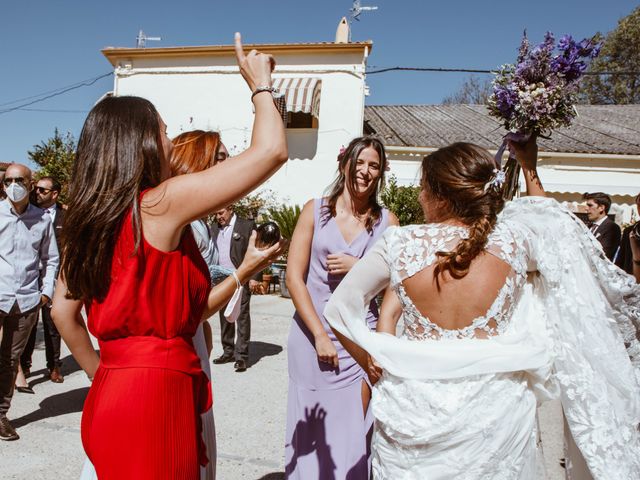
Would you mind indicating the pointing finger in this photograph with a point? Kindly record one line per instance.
(238, 46)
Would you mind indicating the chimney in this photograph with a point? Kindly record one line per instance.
(342, 33)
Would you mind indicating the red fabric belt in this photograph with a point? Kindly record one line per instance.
(176, 354)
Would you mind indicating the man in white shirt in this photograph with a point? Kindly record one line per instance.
(27, 244)
(47, 191)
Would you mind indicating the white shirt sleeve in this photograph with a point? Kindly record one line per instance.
(50, 260)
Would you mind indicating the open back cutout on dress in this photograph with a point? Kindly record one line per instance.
(414, 250)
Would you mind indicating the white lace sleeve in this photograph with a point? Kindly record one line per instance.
(591, 309)
(347, 309)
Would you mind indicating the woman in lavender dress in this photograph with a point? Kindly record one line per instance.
(328, 420)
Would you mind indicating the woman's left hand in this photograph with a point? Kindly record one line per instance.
(255, 260)
(340, 263)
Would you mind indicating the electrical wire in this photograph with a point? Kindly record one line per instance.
(472, 70)
(52, 110)
(84, 83)
(44, 93)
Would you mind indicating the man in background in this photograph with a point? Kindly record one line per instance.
(231, 235)
(27, 247)
(624, 257)
(606, 231)
(47, 192)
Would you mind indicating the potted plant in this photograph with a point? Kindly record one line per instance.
(267, 274)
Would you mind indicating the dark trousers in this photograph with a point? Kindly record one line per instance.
(51, 342)
(16, 327)
(238, 347)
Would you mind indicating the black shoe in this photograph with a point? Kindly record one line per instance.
(224, 358)
(7, 432)
(26, 389)
(240, 366)
(563, 463)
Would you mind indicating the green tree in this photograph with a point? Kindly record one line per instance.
(403, 201)
(620, 52)
(55, 158)
(473, 91)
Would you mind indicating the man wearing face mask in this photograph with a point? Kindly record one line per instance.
(27, 244)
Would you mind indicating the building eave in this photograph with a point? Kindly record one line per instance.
(420, 151)
(114, 54)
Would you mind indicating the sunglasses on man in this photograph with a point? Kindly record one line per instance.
(44, 191)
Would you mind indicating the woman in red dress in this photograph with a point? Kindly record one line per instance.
(131, 260)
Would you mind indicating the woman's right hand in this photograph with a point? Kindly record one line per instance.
(374, 371)
(526, 152)
(255, 260)
(326, 350)
(255, 67)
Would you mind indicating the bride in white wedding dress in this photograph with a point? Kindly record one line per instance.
(504, 306)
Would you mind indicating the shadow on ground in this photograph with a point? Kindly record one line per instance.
(69, 366)
(54, 406)
(259, 350)
(273, 476)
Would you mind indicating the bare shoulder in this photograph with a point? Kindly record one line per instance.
(308, 211)
(393, 220)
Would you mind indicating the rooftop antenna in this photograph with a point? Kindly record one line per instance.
(356, 10)
(141, 39)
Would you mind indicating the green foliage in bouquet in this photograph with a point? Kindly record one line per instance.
(402, 201)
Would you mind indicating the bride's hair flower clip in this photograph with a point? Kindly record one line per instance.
(497, 180)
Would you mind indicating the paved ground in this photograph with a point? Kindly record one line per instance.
(249, 411)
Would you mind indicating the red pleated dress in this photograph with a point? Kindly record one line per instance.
(141, 418)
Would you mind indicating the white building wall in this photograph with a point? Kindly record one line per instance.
(208, 93)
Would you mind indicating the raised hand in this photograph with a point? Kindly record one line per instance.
(526, 152)
(255, 67)
(527, 156)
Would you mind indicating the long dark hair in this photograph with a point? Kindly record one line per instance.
(457, 176)
(119, 155)
(347, 162)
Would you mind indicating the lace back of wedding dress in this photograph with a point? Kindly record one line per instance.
(415, 249)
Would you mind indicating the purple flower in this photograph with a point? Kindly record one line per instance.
(537, 94)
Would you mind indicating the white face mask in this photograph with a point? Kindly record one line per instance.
(16, 192)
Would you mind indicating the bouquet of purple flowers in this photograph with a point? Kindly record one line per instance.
(537, 94)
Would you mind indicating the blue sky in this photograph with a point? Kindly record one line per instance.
(45, 45)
